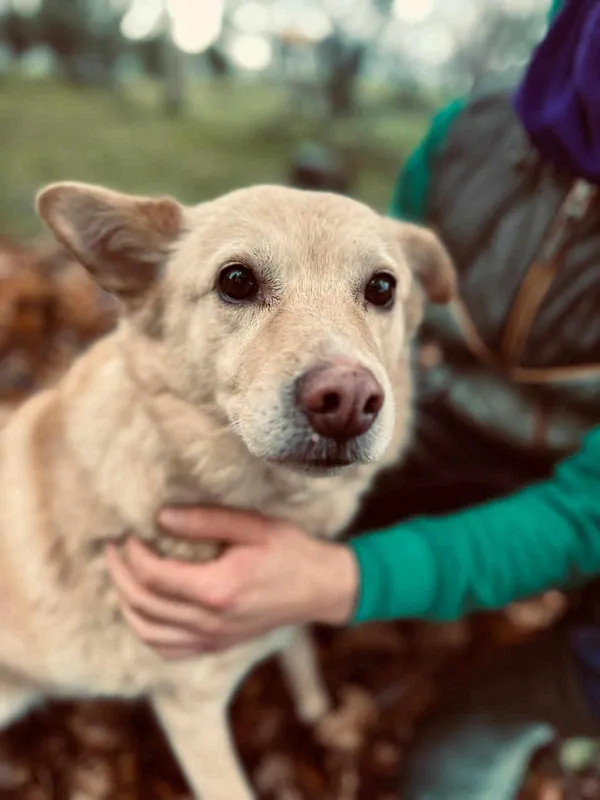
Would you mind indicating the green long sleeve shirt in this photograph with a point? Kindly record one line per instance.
(546, 536)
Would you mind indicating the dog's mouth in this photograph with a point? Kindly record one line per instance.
(317, 466)
(322, 457)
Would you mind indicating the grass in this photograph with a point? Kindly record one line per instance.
(233, 135)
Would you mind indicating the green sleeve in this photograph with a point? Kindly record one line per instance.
(547, 536)
(555, 7)
(409, 200)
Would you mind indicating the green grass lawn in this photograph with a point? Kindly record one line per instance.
(233, 135)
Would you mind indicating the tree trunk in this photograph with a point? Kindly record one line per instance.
(173, 73)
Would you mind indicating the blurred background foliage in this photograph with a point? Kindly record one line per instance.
(196, 97)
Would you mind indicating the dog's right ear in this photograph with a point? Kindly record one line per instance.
(122, 240)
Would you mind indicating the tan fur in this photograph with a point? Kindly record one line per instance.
(189, 400)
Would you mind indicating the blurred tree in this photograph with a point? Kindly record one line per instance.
(149, 51)
(219, 64)
(172, 69)
(342, 54)
(105, 18)
(18, 31)
(63, 28)
(85, 37)
(499, 40)
(341, 61)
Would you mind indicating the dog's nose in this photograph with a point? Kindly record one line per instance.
(341, 400)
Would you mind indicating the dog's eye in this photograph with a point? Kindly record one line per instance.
(237, 283)
(380, 290)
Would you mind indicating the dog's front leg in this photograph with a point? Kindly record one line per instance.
(301, 668)
(202, 743)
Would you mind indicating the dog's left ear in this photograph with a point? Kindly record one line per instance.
(122, 240)
(431, 265)
(428, 260)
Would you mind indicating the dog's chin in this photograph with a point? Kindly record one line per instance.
(318, 457)
(315, 468)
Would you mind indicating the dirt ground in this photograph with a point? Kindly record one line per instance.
(380, 673)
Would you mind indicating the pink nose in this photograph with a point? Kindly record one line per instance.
(341, 399)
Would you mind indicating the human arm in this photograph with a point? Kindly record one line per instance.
(440, 569)
(544, 537)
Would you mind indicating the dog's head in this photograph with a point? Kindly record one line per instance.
(288, 312)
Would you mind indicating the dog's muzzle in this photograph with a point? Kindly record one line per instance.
(341, 399)
(336, 405)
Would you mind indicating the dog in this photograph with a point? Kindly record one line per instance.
(261, 361)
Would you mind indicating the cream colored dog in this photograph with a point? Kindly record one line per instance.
(261, 362)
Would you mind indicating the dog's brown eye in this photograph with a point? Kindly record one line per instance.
(380, 290)
(237, 283)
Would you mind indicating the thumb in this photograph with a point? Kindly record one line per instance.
(220, 524)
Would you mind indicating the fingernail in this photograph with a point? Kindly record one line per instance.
(171, 517)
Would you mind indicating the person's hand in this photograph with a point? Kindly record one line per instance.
(271, 574)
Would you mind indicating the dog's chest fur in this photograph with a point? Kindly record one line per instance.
(84, 469)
